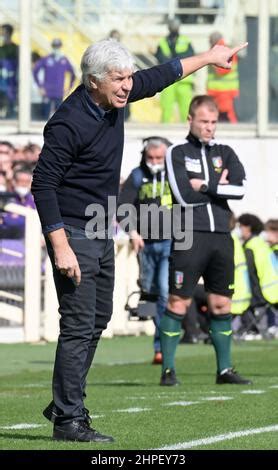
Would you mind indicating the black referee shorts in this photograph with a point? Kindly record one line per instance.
(212, 257)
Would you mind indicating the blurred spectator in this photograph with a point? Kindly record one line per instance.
(3, 182)
(22, 187)
(262, 265)
(31, 153)
(13, 225)
(147, 186)
(223, 84)
(175, 45)
(8, 72)
(52, 82)
(7, 152)
(19, 157)
(115, 34)
(242, 295)
(36, 96)
(271, 235)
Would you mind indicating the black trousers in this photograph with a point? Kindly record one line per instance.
(85, 311)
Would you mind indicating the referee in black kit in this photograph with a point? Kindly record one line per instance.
(203, 175)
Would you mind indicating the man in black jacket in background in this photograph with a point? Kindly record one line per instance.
(203, 175)
(78, 170)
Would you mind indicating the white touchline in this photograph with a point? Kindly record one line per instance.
(220, 437)
(216, 398)
(132, 410)
(137, 398)
(23, 426)
(181, 403)
(39, 385)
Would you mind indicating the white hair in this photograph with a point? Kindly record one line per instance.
(155, 141)
(103, 57)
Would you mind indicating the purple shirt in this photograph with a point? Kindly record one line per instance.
(54, 75)
(13, 225)
(9, 70)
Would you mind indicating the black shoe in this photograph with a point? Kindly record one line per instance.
(78, 431)
(189, 339)
(207, 340)
(232, 377)
(50, 413)
(169, 378)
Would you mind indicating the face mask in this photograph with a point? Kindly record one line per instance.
(238, 232)
(22, 191)
(57, 53)
(3, 188)
(263, 235)
(154, 169)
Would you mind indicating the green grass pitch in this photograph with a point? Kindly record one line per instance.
(126, 401)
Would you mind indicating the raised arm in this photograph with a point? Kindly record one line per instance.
(218, 55)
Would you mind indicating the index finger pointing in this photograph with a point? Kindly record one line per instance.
(235, 50)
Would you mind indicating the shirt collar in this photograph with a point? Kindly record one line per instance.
(194, 140)
(98, 112)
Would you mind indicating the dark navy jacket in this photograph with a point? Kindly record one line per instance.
(81, 158)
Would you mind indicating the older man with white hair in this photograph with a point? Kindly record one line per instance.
(78, 170)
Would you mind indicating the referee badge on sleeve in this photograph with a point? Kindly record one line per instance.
(178, 279)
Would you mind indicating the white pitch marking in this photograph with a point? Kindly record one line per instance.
(137, 398)
(181, 403)
(122, 381)
(216, 398)
(23, 426)
(132, 410)
(273, 386)
(123, 363)
(35, 385)
(168, 396)
(253, 392)
(219, 438)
